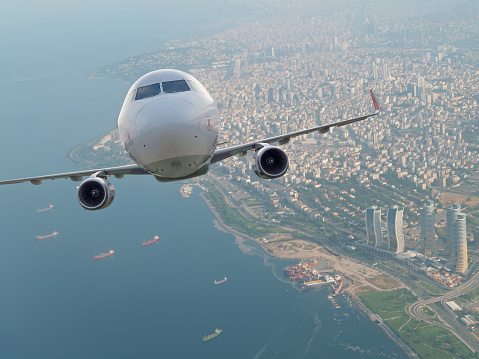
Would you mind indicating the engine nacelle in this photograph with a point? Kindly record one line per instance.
(270, 162)
(95, 193)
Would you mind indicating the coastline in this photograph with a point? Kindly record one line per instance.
(348, 291)
(357, 274)
(222, 226)
(345, 266)
(384, 327)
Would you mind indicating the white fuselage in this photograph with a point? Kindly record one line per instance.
(169, 125)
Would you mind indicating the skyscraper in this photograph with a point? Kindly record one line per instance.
(451, 242)
(373, 226)
(394, 225)
(451, 216)
(459, 235)
(428, 232)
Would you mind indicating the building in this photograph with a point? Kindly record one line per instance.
(373, 226)
(469, 320)
(451, 216)
(428, 230)
(475, 231)
(459, 235)
(394, 226)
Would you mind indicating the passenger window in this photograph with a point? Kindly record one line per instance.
(147, 91)
(175, 86)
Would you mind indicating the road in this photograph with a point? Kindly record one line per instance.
(447, 317)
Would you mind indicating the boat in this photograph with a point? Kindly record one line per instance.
(54, 234)
(220, 281)
(318, 283)
(104, 255)
(40, 210)
(339, 285)
(155, 239)
(211, 336)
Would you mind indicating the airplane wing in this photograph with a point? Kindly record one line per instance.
(224, 153)
(78, 176)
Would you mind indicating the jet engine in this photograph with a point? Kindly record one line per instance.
(95, 193)
(270, 162)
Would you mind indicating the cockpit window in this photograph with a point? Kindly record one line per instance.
(128, 98)
(194, 85)
(147, 91)
(175, 86)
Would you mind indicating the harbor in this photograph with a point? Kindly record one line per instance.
(310, 278)
(186, 190)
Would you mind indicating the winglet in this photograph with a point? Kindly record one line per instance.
(375, 102)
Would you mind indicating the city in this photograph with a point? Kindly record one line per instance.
(418, 161)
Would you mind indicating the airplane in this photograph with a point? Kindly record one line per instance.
(170, 125)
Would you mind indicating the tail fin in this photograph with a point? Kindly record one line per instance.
(375, 102)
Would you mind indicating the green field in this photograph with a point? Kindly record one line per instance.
(429, 287)
(232, 217)
(428, 341)
(389, 304)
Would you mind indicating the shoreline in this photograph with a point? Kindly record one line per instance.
(222, 226)
(346, 267)
(356, 300)
(177, 42)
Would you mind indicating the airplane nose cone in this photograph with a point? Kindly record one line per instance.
(170, 140)
(165, 115)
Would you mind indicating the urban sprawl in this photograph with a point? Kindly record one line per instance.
(402, 185)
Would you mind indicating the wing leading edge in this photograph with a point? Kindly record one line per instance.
(224, 153)
(78, 176)
(218, 155)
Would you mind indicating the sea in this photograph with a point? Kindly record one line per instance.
(144, 302)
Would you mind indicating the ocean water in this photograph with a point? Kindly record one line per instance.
(156, 301)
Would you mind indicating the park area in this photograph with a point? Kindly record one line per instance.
(427, 340)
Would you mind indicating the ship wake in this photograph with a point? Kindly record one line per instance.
(317, 326)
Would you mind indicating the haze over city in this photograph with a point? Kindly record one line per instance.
(366, 247)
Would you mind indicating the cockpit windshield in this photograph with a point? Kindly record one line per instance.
(175, 86)
(147, 91)
(195, 85)
(155, 89)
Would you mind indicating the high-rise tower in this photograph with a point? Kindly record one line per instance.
(373, 226)
(460, 237)
(394, 225)
(451, 216)
(428, 232)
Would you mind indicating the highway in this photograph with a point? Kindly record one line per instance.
(447, 316)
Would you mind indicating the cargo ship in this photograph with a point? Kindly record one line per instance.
(211, 336)
(326, 279)
(155, 239)
(54, 234)
(300, 267)
(104, 255)
(220, 281)
(40, 210)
